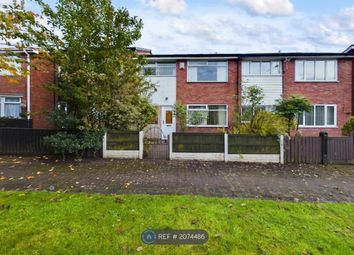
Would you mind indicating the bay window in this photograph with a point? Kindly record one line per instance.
(207, 115)
(319, 116)
(316, 70)
(207, 71)
(10, 106)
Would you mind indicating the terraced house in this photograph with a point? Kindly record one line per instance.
(210, 85)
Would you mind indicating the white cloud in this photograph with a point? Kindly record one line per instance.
(266, 7)
(325, 35)
(168, 6)
(345, 19)
(197, 28)
(6, 2)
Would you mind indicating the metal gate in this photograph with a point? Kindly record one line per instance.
(155, 146)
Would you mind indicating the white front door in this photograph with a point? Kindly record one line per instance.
(168, 121)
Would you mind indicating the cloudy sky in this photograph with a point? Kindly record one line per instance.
(230, 26)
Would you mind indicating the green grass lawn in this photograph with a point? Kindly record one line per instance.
(57, 223)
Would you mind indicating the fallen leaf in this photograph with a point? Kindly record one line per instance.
(29, 177)
(2, 178)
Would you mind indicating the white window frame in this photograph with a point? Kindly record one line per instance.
(315, 60)
(207, 110)
(325, 117)
(207, 61)
(260, 66)
(160, 64)
(2, 104)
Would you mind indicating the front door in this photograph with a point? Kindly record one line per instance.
(168, 121)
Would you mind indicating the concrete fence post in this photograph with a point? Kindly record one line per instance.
(281, 144)
(141, 144)
(226, 147)
(104, 145)
(170, 146)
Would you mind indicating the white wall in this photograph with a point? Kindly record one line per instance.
(166, 87)
(272, 86)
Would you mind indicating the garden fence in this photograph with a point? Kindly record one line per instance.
(24, 141)
(224, 147)
(123, 144)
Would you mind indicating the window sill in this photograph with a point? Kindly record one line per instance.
(206, 126)
(263, 75)
(207, 81)
(160, 76)
(307, 127)
(317, 81)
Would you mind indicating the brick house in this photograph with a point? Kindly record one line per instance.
(210, 84)
(28, 98)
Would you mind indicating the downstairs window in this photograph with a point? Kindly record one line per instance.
(10, 106)
(319, 116)
(207, 115)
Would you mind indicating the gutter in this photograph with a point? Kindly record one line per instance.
(28, 83)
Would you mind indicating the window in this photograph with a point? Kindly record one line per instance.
(319, 116)
(207, 115)
(13, 62)
(160, 69)
(246, 111)
(263, 68)
(316, 70)
(10, 107)
(207, 71)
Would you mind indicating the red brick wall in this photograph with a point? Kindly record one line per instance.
(208, 93)
(339, 93)
(42, 100)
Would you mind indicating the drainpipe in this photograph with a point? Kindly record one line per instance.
(28, 87)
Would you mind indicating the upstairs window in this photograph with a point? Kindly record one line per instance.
(10, 107)
(207, 71)
(160, 69)
(207, 115)
(316, 70)
(261, 68)
(319, 116)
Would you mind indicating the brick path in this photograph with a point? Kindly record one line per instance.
(269, 181)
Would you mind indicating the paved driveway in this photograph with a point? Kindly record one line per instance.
(269, 181)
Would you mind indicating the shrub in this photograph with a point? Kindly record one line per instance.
(180, 111)
(348, 126)
(264, 124)
(63, 143)
(61, 119)
(66, 143)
